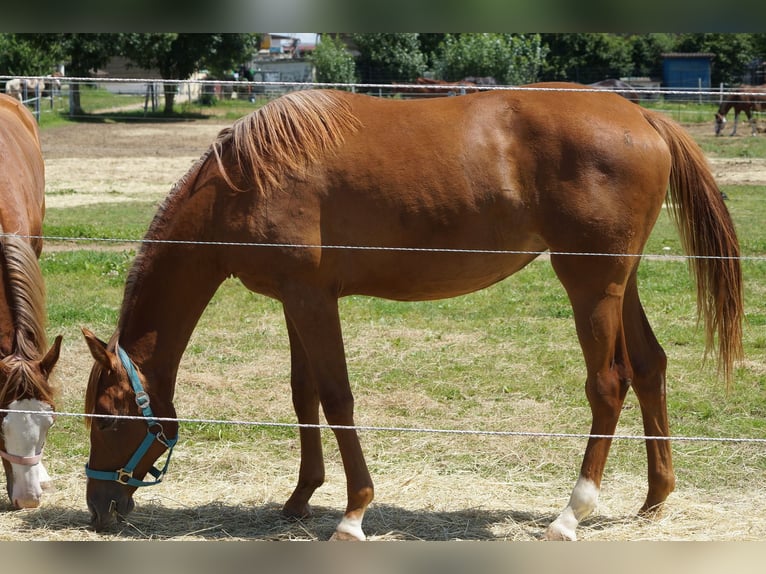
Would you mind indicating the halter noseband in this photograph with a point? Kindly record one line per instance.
(125, 474)
(23, 460)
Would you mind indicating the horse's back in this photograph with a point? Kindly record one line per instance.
(515, 171)
(22, 174)
(521, 149)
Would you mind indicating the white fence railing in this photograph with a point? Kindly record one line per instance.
(148, 94)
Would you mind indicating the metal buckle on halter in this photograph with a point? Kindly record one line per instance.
(160, 435)
(142, 399)
(124, 476)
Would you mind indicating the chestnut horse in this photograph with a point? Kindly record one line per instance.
(26, 396)
(749, 100)
(322, 194)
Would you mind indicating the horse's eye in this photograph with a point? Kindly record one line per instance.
(105, 423)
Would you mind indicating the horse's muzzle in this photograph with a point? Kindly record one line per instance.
(108, 503)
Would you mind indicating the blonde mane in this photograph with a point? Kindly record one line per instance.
(285, 136)
(27, 302)
(281, 138)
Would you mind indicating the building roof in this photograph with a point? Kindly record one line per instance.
(688, 55)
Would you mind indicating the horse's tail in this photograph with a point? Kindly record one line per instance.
(708, 236)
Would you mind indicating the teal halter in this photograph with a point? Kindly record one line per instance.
(125, 474)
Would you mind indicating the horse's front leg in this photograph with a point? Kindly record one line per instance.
(306, 404)
(314, 316)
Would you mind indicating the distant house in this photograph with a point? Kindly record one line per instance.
(282, 58)
(682, 71)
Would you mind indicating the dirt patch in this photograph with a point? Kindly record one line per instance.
(112, 162)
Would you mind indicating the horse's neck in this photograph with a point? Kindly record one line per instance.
(170, 287)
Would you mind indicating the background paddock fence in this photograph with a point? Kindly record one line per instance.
(143, 95)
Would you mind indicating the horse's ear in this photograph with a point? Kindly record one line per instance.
(97, 348)
(51, 357)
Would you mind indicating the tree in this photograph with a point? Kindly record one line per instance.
(733, 54)
(387, 58)
(646, 53)
(510, 59)
(21, 57)
(333, 62)
(587, 58)
(178, 56)
(81, 53)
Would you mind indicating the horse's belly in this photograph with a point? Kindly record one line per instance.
(419, 276)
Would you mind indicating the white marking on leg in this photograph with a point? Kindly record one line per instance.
(581, 503)
(349, 529)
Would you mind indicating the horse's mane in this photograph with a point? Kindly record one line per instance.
(26, 298)
(279, 139)
(284, 136)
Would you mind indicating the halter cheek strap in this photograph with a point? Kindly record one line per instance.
(125, 474)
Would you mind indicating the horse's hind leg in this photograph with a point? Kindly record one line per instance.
(597, 297)
(306, 404)
(316, 323)
(649, 364)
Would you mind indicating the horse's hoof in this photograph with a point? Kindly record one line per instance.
(297, 512)
(345, 537)
(559, 533)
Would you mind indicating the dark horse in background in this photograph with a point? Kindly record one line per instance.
(26, 396)
(434, 87)
(619, 87)
(431, 198)
(748, 99)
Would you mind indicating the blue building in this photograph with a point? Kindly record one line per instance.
(686, 71)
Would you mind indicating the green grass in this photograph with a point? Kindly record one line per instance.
(101, 105)
(118, 220)
(685, 111)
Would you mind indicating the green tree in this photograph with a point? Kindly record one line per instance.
(646, 53)
(511, 59)
(332, 61)
(733, 54)
(177, 56)
(81, 54)
(385, 58)
(21, 57)
(587, 58)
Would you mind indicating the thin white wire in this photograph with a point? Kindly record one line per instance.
(400, 429)
(584, 88)
(382, 248)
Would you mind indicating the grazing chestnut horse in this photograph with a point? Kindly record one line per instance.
(413, 200)
(26, 397)
(749, 100)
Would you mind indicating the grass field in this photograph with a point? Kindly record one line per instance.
(503, 359)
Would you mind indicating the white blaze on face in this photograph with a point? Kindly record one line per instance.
(25, 434)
